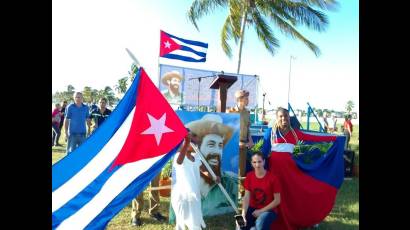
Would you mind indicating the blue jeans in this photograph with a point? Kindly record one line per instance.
(56, 134)
(74, 140)
(263, 221)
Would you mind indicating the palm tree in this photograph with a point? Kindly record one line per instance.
(94, 95)
(109, 94)
(70, 88)
(87, 91)
(121, 87)
(285, 14)
(132, 72)
(68, 95)
(319, 112)
(349, 106)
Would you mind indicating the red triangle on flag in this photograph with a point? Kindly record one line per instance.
(167, 44)
(155, 129)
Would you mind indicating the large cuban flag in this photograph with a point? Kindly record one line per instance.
(94, 182)
(174, 47)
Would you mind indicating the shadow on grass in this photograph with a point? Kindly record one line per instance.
(220, 222)
(337, 225)
(57, 153)
(344, 216)
(58, 149)
(345, 213)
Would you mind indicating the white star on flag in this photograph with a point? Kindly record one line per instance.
(157, 127)
(167, 45)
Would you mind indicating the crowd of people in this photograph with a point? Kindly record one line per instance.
(79, 120)
(274, 194)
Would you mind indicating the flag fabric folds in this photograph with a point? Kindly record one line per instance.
(309, 180)
(95, 181)
(173, 47)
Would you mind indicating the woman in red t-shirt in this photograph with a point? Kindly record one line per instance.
(262, 195)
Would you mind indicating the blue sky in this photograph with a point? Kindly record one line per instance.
(90, 37)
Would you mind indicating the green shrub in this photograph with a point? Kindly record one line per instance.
(167, 169)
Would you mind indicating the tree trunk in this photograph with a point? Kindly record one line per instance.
(243, 24)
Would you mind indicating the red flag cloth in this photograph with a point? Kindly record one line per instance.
(155, 130)
(307, 197)
(167, 44)
(305, 201)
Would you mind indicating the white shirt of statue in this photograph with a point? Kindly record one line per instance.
(185, 194)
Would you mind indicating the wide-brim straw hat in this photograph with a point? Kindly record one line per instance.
(169, 75)
(210, 124)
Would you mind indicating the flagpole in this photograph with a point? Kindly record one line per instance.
(136, 63)
(290, 68)
(199, 89)
(159, 51)
(195, 147)
(159, 56)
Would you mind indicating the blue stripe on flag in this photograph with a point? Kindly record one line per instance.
(329, 168)
(190, 42)
(102, 135)
(189, 49)
(183, 58)
(82, 198)
(66, 168)
(132, 191)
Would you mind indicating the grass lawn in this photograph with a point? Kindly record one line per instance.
(344, 216)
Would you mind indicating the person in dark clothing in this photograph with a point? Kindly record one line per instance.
(98, 115)
(56, 119)
(62, 111)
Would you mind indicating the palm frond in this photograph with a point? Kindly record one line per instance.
(200, 8)
(264, 32)
(266, 8)
(301, 14)
(323, 4)
(288, 29)
(226, 35)
(235, 13)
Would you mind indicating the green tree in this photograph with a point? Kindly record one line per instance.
(319, 112)
(261, 14)
(94, 95)
(87, 91)
(57, 97)
(68, 95)
(108, 93)
(132, 72)
(349, 106)
(121, 87)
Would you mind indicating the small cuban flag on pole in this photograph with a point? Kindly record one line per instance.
(173, 47)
